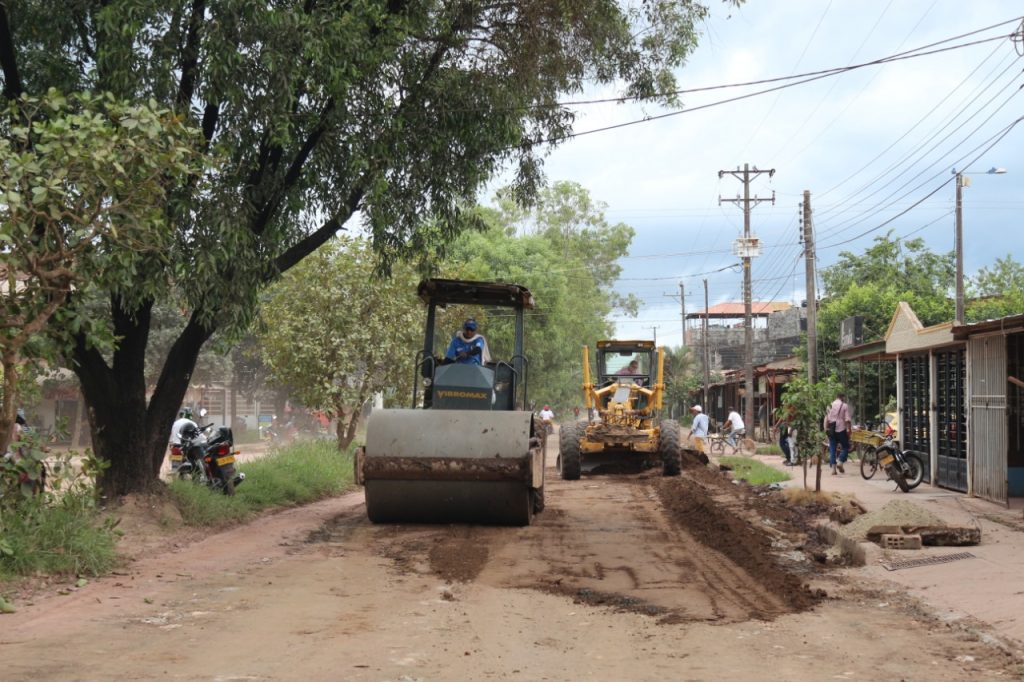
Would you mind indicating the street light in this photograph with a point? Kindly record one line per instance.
(961, 182)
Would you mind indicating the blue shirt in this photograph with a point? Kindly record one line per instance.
(461, 345)
(700, 426)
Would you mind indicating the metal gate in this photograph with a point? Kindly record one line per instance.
(951, 445)
(987, 442)
(914, 423)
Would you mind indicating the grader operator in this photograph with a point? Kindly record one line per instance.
(625, 399)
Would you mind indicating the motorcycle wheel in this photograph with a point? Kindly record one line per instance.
(229, 486)
(892, 470)
(868, 464)
(896, 476)
(915, 469)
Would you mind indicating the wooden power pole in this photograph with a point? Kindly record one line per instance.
(747, 248)
(812, 299)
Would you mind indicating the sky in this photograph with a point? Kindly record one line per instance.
(868, 144)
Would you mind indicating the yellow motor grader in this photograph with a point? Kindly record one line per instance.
(623, 402)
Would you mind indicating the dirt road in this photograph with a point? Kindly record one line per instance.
(628, 577)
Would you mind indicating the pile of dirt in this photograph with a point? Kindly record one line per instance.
(696, 506)
(457, 559)
(149, 524)
(693, 459)
(895, 513)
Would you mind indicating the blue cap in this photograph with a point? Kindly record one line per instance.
(469, 324)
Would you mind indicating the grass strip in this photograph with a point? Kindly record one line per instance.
(68, 537)
(297, 474)
(753, 471)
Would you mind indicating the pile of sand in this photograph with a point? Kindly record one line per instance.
(895, 513)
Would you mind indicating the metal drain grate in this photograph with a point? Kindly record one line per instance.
(926, 561)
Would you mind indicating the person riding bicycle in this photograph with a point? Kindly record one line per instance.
(737, 429)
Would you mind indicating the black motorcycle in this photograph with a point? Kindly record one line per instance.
(904, 467)
(209, 458)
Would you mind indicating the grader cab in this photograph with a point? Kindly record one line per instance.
(624, 400)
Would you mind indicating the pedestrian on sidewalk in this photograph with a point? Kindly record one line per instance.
(838, 426)
(784, 428)
(699, 428)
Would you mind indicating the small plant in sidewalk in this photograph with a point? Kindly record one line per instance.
(804, 404)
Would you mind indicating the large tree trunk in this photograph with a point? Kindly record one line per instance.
(9, 409)
(127, 431)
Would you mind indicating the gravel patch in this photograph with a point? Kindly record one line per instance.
(895, 513)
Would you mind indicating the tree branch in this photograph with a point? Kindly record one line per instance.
(190, 56)
(312, 242)
(294, 172)
(8, 58)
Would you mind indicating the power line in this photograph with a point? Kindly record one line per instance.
(921, 51)
(998, 138)
(823, 74)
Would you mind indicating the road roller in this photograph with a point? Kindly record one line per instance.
(468, 449)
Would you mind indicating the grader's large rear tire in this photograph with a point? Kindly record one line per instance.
(668, 448)
(569, 457)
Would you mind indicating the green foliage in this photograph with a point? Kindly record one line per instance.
(996, 292)
(335, 332)
(298, 474)
(65, 537)
(312, 114)
(82, 180)
(681, 381)
(804, 405)
(871, 285)
(752, 471)
(56, 528)
(565, 266)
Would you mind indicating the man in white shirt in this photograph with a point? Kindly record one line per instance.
(184, 419)
(737, 429)
(699, 428)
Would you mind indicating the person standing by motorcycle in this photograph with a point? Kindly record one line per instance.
(837, 425)
(184, 419)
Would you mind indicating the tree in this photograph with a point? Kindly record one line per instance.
(871, 285)
(804, 405)
(79, 179)
(681, 379)
(572, 303)
(312, 111)
(996, 292)
(336, 333)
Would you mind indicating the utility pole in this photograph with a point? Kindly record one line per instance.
(682, 308)
(812, 298)
(655, 330)
(707, 355)
(959, 248)
(747, 247)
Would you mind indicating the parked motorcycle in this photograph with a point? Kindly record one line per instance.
(904, 467)
(209, 458)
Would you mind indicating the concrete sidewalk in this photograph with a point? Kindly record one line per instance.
(989, 587)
